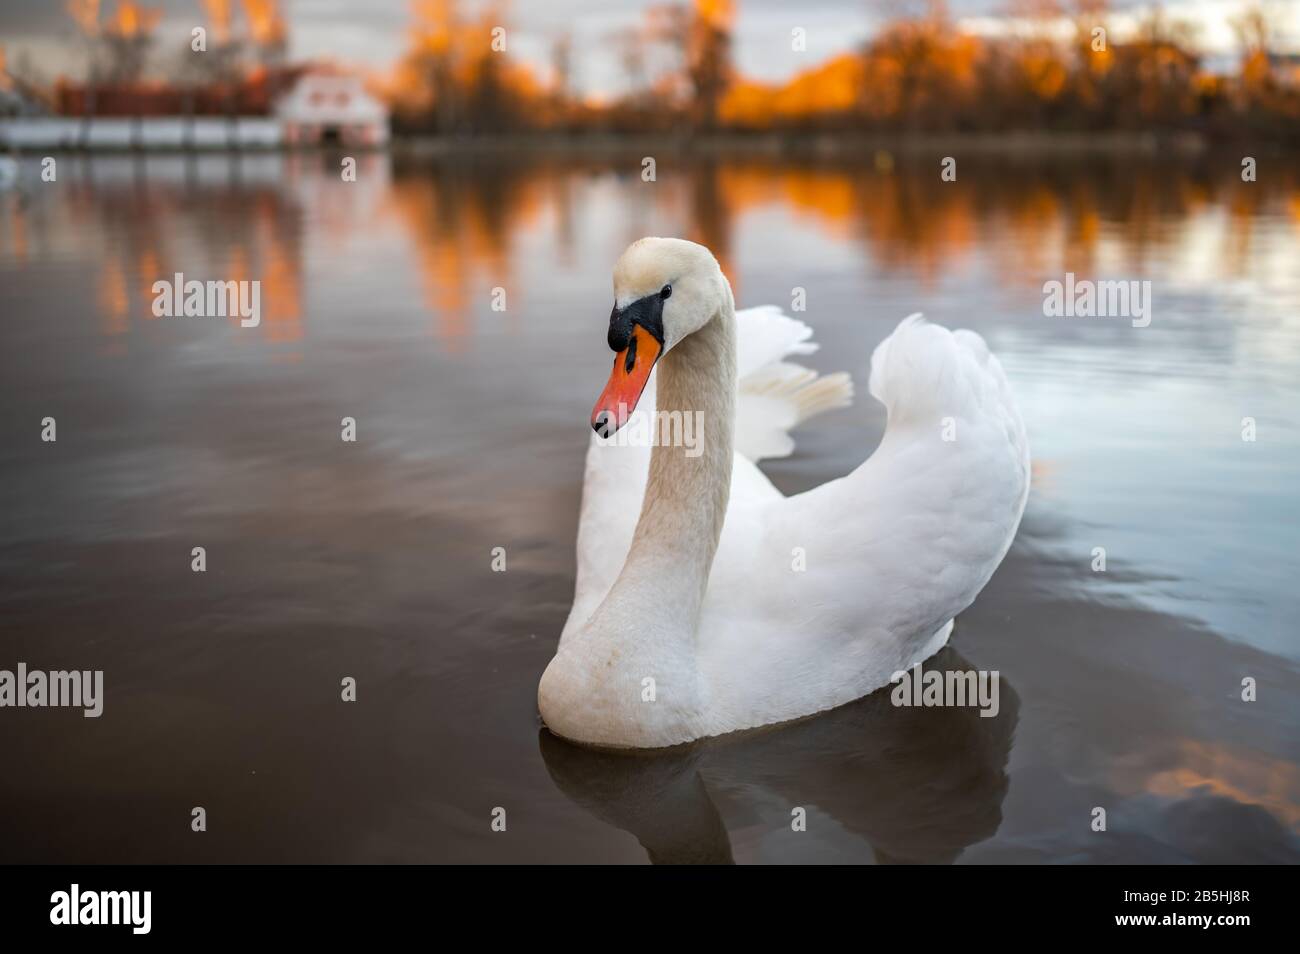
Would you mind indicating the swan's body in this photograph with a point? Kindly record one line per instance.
(773, 395)
(669, 641)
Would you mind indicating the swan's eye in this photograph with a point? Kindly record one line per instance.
(666, 292)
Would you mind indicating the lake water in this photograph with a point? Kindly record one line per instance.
(1121, 688)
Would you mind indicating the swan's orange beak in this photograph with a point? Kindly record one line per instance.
(632, 367)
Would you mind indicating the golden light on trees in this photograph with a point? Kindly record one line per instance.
(220, 13)
(264, 21)
(130, 20)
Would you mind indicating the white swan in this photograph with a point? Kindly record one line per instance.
(695, 619)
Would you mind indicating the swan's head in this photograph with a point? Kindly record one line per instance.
(664, 290)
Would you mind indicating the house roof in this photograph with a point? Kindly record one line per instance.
(328, 96)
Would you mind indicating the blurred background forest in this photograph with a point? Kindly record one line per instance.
(1051, 66)
(919, 73)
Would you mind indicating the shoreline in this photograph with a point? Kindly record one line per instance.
(726, 144)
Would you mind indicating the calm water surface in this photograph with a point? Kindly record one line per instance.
(1120, 689)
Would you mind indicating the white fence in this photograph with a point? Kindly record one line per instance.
(152, 132)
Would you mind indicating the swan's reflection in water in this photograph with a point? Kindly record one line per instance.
(919, 785)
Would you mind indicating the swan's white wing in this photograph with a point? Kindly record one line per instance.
(774, 395)
(766, 335)
(890, 553)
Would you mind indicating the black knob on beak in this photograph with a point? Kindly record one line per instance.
(648, 312)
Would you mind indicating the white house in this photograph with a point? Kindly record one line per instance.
(330, 107)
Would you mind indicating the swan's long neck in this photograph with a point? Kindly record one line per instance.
(686, 496)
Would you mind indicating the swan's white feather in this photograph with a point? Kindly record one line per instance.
(892, 551)
(774, 395)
